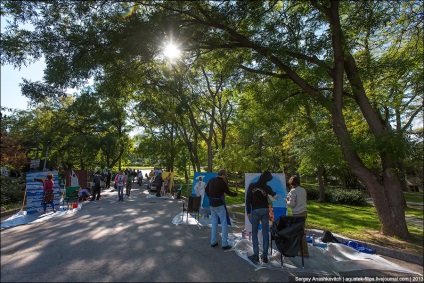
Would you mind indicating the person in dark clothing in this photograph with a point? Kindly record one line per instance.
(158, 184)
(108, 178)
(215, 190)
(96, 190)
(257, 211)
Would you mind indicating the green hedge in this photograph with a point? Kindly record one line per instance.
(340, 196)
(12, 190)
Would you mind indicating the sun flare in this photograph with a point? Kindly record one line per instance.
(171, 51)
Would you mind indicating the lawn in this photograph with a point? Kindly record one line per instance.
(356, 222)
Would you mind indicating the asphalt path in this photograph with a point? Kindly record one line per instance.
(130, 241)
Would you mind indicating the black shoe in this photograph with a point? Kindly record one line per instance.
(54, 210)
(227, 247)
(214, 245)
(254, 259)
(264, 259)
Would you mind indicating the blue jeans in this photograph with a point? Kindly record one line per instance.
(260, 215)
(120, 192)
(220, 212)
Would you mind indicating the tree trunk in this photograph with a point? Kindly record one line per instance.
(387, 194)
(321, 184)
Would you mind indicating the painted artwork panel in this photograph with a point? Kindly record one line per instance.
(34, 190)
(200, 180)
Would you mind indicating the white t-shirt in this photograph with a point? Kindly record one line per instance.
(297, 200)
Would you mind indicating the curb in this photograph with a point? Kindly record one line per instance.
(9, 212)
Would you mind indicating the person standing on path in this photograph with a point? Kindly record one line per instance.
(258, 212)
(96, 191)
(48, 196)
(120, 180)
(296, 199)
(216, 189)
(128, 184)
(108, 178)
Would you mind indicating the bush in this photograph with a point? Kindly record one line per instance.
(312, 193)
(340, 196)
(12, 190)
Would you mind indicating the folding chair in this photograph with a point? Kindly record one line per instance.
(287, 233)
(193, 206)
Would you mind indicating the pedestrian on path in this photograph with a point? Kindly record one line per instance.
(129, 184)
(120, 180)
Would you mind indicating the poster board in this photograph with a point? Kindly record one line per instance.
(34, 190)
(200, 180)
(171, 178)
(278, 184)
(77, 178)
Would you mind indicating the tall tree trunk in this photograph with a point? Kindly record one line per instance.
(321, 186)
(386, 193)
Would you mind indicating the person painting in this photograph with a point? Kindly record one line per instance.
(258, 212)
(296, 200)
(216, 189)
(48, 197)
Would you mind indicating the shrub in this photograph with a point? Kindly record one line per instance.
(12, 190)
(312, 193)
(341, 196)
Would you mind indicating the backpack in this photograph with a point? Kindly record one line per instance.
(328, 237)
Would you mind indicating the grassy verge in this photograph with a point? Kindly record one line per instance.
(360, 223)
(414, 197)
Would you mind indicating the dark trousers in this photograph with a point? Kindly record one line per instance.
(96, 191)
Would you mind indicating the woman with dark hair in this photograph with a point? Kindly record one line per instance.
(48, 197)
(296, 200)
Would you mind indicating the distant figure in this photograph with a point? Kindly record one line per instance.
(158, 184)
(83, 194)
(128, 186)
(96, 190)
(120, 180)
(48, 197)
(108, 178)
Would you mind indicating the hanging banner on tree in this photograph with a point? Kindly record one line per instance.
(35, 191)
(278, 184)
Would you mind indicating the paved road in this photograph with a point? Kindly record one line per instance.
(133, 241)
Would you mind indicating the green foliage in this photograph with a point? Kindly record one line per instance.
(338, 196)
(341, 196)
(12, 190)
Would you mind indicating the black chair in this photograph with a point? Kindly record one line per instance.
(287, 233)
(193, 206)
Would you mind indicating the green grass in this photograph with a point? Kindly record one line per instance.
(358, 222)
